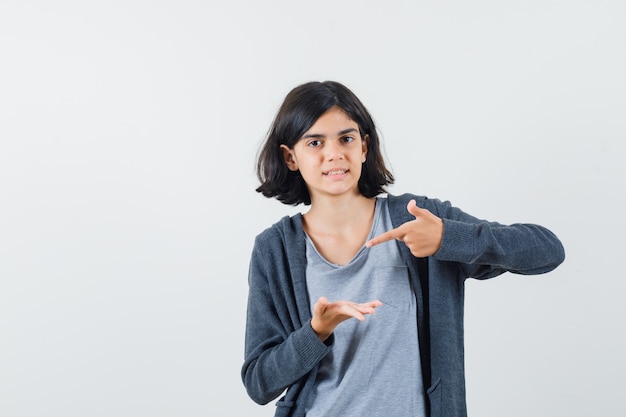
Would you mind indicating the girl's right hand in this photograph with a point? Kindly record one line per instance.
(327, 315)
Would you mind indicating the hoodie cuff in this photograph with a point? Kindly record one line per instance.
(458, 242)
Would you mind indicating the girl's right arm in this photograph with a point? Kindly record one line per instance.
(279, 350)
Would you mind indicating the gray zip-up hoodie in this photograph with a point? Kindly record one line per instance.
(283, 352)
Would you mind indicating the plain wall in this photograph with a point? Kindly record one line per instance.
(128, 135)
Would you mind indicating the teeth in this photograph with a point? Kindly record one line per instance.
(336, 172)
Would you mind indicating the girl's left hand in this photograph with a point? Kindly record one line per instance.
(422, 236)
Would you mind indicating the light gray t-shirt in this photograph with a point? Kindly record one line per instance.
(374, 367)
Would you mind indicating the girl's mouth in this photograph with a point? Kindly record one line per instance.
(336, 172)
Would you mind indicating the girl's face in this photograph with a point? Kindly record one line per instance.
(329, 155)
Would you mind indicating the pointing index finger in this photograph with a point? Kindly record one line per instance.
(385, 237)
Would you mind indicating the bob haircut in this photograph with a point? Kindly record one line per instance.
(299, 111)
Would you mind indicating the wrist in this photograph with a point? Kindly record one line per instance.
(321, 333)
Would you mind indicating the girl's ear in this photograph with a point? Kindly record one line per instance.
(289, 157)
(364, 144)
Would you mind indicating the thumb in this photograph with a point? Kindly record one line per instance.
(413, 209)
(322, 301)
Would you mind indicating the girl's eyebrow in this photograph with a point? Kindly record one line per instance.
(320, 136)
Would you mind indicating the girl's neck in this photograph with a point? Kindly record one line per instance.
(339, 226)
(337, 213)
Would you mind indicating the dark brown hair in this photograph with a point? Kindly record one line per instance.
(299, 111)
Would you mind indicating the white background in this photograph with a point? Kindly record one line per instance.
(128, 134)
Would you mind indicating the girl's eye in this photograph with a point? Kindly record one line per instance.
(314, 143)
(347, 139)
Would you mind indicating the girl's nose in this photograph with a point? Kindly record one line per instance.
(333, 151)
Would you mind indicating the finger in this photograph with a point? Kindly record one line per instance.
(385, 237)
(322, 301)
(366, 308)
(353, 310)
(373, 304)
(320, 305)
(357, 310)
(417, 211)
(414, 209)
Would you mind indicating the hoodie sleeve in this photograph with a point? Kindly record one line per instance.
(278, 351)
(486, 249)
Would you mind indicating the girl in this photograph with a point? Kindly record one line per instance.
(312, 274)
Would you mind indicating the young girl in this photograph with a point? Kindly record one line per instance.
(396, 264)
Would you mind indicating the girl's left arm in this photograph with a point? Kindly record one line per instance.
(487, 249)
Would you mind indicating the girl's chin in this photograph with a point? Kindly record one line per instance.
(337, 192)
